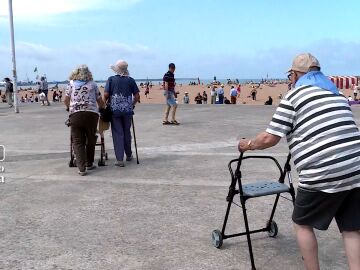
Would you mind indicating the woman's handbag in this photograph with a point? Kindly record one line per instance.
(106, 113)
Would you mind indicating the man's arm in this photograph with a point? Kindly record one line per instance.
(166, 85)
(262, 141)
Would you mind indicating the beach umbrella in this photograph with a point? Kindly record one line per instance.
(12, 42)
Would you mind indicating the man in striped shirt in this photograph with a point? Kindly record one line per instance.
(324, 142)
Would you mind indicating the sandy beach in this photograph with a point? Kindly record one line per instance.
(156, 93)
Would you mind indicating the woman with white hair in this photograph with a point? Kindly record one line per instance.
(83, 98)
(121, 93)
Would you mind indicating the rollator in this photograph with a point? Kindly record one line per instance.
(102, 127)
(254, 190)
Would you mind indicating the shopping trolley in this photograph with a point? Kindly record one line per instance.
(254, 190)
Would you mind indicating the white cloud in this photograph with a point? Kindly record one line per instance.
(36, 9)
(58, 62)
(110, 48)
(31, 51)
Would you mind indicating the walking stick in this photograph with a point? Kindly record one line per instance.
(132, 122)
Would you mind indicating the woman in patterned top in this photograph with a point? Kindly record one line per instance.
(121, 93)
(83, 99)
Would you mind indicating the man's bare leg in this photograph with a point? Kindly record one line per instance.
(173, 116)
(308, 246)
(352, 248)
(167, 111)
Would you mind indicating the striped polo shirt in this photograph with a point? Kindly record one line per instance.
(323, 138)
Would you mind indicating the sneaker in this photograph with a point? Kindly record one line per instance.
(129, 158)
(120, 163)
(82, 173)
(89, 168)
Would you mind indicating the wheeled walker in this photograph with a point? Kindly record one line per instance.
(100, 133)
(254, 190)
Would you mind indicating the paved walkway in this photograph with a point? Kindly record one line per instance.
(156, 215)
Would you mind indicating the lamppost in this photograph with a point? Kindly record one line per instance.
(12, 41)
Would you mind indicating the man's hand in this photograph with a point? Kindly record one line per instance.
(262, 141)
(244, 145)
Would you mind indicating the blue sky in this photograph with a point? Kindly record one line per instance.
(228, 38)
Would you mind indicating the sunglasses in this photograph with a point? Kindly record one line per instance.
(289, 75)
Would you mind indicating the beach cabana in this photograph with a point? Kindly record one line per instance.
(344, 82)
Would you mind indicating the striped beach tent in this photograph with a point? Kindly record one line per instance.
(345, 82)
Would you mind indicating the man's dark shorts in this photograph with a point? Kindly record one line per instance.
(317, 209)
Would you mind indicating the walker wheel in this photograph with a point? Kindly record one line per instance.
(101, 163)
(106, 156)
(273, 229)
(217, 238)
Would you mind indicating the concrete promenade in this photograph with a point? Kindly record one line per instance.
(156, 215)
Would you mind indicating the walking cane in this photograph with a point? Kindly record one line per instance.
(132, 122)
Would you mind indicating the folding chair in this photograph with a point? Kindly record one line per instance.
(254, 190)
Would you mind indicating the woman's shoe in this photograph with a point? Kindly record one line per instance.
(130, 158)
(82, 173)
(120, 163)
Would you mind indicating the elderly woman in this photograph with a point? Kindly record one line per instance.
(83, 99)
(121, 94)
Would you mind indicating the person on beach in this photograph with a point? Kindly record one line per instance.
(269, 101)
(233, 95)
(9, 92)
(170, 96)
(186, 98)
(238, 89)
(147, 89)
(204, 97)
(60, 96)
(122, 94)
(82, 99)
(220, 94)
(355, 91)
(43, 88)
(198, 99)
(324, 142)
(213, 94)
(253, 94)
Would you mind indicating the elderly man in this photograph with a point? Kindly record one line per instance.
(324, 142)
(9, 92)
(43, 87)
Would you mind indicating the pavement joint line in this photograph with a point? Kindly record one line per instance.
(110, 180)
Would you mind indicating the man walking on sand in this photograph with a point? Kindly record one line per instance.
(9, 92)
(170, 96)
(324, 142)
